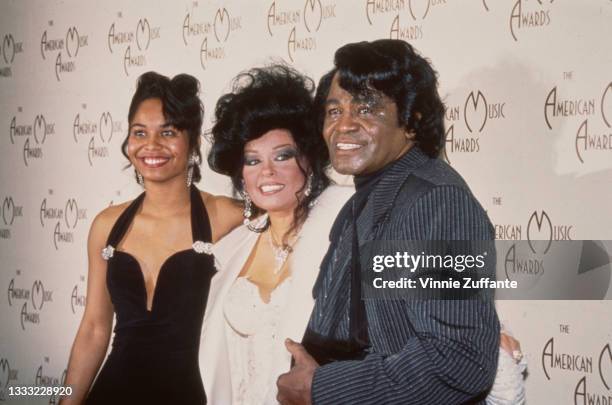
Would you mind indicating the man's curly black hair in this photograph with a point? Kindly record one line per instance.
(395, 69)
(263, 99)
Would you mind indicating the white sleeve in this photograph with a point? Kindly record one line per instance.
(509, 385)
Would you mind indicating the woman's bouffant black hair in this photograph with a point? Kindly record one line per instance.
(181, 106)
(263, 99)
(394, 68)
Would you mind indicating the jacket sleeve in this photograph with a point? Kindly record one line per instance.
(451, 356)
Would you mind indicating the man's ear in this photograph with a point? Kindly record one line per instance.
(410, 134)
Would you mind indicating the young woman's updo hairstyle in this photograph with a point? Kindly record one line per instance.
(181, 105)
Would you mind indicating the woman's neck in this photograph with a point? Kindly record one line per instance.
(166, 199)
(280, 224)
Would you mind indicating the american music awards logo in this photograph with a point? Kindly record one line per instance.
(557, 107)
(29, 299)
(8, 376)
(66, 217)
(96, 134)
(521, 267)
(138, 41)
(9, 49)
(299, 25)
(78, 297)
(594, 137)
(526, 15)
(68, 45)
(540, 229)
(212, 34)
(9, 212)
(476, 113)
(42, 378)
(539, 232)
(594, 372)
(34, 133)
(409, 16)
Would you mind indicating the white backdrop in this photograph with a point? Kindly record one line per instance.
(527, 83)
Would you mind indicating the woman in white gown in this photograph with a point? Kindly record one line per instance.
(265, 140)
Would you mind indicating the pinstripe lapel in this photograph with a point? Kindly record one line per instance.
(335, 269)
(385, 192)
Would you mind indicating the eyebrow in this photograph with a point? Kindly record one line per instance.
(283, 146)
(164, 125)
(373, 97)
(247, 150)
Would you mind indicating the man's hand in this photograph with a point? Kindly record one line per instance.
(294, 387)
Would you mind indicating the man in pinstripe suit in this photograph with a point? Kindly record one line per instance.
(382, 118)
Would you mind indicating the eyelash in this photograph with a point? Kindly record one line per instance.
(361, 109)
(285, 155)
(250, 162)
(333, 111)
(281, 157)
(164, 133)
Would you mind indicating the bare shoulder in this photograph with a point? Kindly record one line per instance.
(104, 221)
(225, 213)
(220, 204)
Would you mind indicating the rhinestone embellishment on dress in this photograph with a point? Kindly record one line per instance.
(202, 247)
(108, 252)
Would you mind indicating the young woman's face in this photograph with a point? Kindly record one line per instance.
(158, 151)
(271, 173)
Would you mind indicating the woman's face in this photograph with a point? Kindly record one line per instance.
(156, 149)
(271, 173)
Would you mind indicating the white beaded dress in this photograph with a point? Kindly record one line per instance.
(255, 341)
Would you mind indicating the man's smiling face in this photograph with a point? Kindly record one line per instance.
(362, 132)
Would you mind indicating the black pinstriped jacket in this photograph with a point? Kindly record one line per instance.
(422, 352)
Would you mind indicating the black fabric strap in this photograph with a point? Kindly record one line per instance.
(123, 222)
(200, 223)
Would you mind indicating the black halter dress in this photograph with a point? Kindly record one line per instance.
(154, 357)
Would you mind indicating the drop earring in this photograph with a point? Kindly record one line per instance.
(139, 178)
(248, 212)
(308, 190)
(193, 160)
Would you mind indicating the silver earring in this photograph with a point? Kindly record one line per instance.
(139, 178)
(189, 176)
(193, 160)
(308, 190)
(248, 205)
(248, 212)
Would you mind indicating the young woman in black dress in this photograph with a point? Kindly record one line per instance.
(150, 261)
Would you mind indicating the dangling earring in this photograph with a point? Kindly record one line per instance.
(193, 160)
(139, 178)
(248, 212)
(308, 190)
(248, 205)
